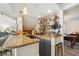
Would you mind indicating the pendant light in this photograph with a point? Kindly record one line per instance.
(25, 10)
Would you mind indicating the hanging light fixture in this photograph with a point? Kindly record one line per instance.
(25, 10)
(49, 11)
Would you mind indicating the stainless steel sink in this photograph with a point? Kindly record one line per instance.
(31, 36)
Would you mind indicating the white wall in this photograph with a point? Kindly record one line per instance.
(29, 22)
(7, 21)
(71, 25)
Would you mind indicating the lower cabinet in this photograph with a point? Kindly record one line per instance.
(29, 50)
(59, 50)
(45, 48)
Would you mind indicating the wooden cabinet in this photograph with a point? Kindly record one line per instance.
(43, 25)
(28, 31)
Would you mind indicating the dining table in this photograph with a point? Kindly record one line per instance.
(72, 38)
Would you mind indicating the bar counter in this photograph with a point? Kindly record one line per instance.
(17, 41)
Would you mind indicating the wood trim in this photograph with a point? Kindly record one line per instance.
(23, 44)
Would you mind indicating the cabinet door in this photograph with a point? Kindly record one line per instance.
(47, 48)
(58, 50)
(41, 47)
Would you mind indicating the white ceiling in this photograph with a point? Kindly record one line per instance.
(12, 9)
(71, 13)
(34, 9)
(65, 6)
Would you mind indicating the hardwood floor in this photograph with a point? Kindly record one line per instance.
(68, 51)
(67, 54)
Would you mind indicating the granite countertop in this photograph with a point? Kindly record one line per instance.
(17, 41)
(57, 39)
(46, 37)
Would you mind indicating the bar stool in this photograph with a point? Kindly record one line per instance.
(4, 51)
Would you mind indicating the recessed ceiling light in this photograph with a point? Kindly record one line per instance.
(20, 18)
(38, 16)
(49, 11)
